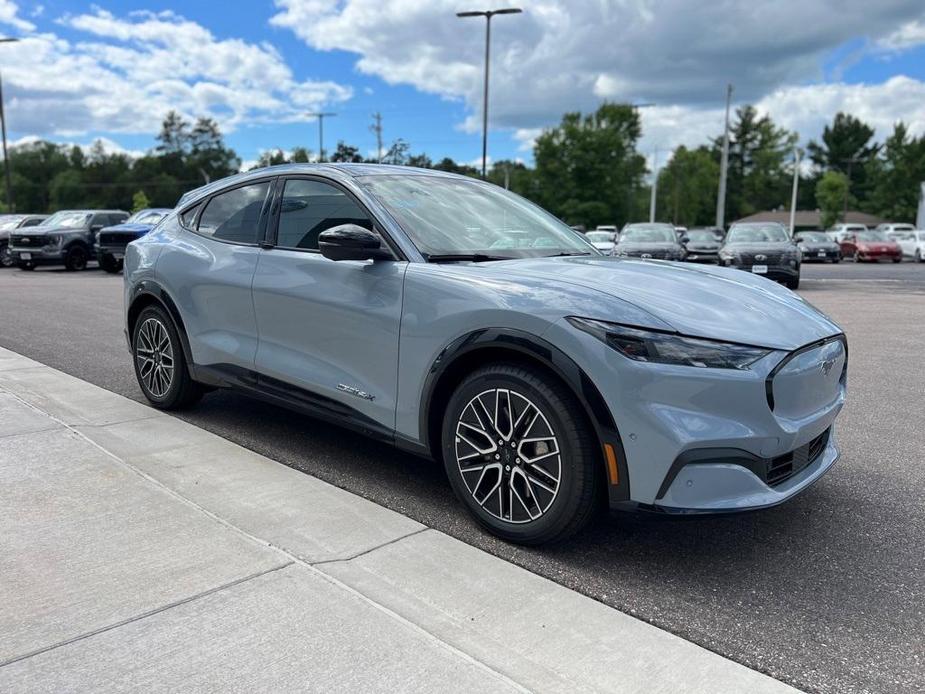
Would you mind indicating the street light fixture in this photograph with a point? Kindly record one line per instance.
(320, 116)
(487, 14)
(6, 159)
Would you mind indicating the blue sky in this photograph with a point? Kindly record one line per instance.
(111, 69)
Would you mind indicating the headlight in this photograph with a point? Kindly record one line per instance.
(668, 348)
(52, 240)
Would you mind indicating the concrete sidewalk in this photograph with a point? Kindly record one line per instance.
(139, 552)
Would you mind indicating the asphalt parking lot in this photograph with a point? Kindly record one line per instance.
(826, 592)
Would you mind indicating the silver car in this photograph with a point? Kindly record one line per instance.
(459, 321)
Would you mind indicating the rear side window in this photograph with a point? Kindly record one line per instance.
(234, 216)
(311, 207)
(187, 218)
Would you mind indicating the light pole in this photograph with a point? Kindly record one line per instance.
(796, 185)
(723, 168)
(6, 158)
(654, 185)
(487, 14)
(320, 116)
(849, 161)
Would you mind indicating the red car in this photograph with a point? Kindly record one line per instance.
(870, 245)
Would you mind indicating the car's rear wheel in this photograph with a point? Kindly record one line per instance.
(793, 283)
(918, 255)
(898, 260)
(160, 365)
(76, 258)
(109, 263)
(520, 454)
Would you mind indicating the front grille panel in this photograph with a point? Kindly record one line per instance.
(26, 240)
(778, 470)
(770, 258)
(116, 237)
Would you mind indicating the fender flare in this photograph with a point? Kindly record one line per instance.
(553, 359)
(147, 290)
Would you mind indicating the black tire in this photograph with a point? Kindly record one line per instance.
(572, 503)
(6, 258)
(856, 257)
(76, 258)
(25, 265)
(918, 255)
(793, 283)
(836, 261)
(110, 264)
(898, 260)
(182, 390)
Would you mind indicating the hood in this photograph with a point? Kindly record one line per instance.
(636, 245)
(877, 245)
(130, 227)
(702, 246)
(759, 247)
(819, 245)
(700, 301)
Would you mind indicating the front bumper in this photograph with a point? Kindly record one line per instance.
(114, 249)
(820, 256)
(45, 255)
(778, 273)
(702, 257)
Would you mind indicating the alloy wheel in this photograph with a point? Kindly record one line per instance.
(508, 455)
(154, 354)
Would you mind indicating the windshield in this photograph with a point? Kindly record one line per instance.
(147, 217)
(452, 216)
(599, 236)
(701, 236)
(920, 235)
(7, 223)
(760, 233)
(648, 233)
(68, 220)
(872, 236)
(813, 237)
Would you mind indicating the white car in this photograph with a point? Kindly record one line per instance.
(890, 228)
(604, 241)
(838, 232)
(911, 242)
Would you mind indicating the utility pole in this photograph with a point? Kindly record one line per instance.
(849, 161)
(631, 188)
(724, 167)
(320, 116)
(654, 185)
(11, 205)
(377, 128)
(796, 184)
(487, 14)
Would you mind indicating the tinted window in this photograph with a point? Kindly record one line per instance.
(188, 217)
(310, 207)
(33, 222)
(234, 216)
(757, 233)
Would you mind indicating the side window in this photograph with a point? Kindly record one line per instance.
(117, 218)
(234, 216)
(32, 222)
(310, 207)
(188, 217)
(100, 219)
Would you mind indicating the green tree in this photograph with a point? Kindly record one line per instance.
(687, 187)
(587, 167)
(758, 153)
(830, 196)
(896, 176)
(346, 153)
(847, 146)
(397, 153)
(140, 201)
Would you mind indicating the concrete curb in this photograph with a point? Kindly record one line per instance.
(145, 552)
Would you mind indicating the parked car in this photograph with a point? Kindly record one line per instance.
(816, 246)
(701, 246)
(10, 223)
(870, 245)
(912, 243)
(65, 238)
(890, 227)
(839, 231)
(544, 376)
(763, 248)
(649, 240)
(604, 241)
(609, 228)
(111, 241)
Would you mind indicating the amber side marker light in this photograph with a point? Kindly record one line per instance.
(612, 464)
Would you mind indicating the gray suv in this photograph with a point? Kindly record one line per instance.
(10, 223)
(459, 321)
(66, 238)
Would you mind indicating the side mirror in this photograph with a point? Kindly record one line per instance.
(96, 227)
(685, 240)
(352, 242)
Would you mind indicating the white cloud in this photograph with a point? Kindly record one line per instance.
(131, 70)
(109, 146)
(562, 55)
(909, 35)
(9, 15)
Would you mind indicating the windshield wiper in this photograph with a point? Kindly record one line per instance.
(565, 253)
(473, 257)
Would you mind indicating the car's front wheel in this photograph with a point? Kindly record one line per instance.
(76, 258)
(6, 258)
(109, 263)
(520, 454)
(160, 365)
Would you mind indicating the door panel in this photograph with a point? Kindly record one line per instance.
(331, 327)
